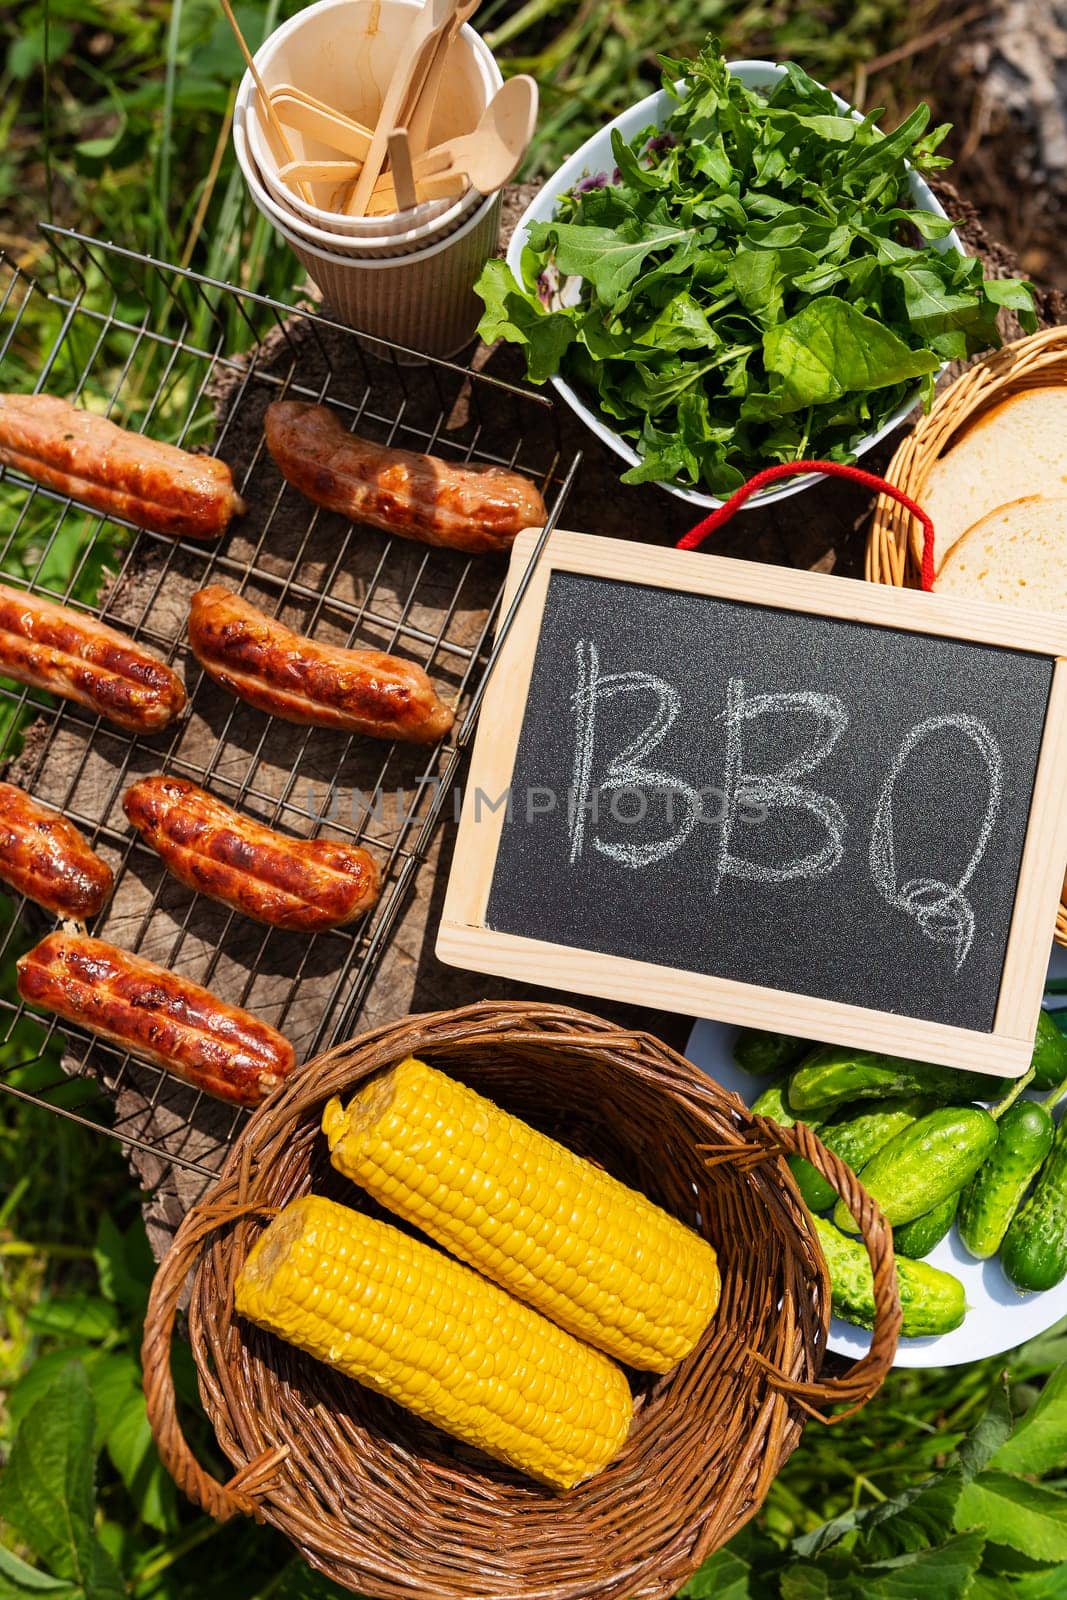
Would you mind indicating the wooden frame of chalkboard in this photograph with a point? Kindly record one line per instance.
(467, 939)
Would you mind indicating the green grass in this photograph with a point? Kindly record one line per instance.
(114, 118)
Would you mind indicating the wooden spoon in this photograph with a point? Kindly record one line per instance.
(492, 153)
(424, 101)
(411, 68)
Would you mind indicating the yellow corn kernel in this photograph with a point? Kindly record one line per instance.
(598, 1258)
(431, 1334)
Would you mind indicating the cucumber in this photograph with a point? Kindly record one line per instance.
(926, 1163)
(856, 1138)
(771, 1103)
(992, 1197)
(932, 1301)
(759, 1052)
(917, 1238)
(829, 1077)
(1034, 1252)
(1049, 1059)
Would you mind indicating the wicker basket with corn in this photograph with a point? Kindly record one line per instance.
(611, 1241)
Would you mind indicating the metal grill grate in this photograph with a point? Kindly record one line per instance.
(185, 358)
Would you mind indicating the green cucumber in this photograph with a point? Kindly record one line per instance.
(1049, 1060)
(917, 1238)
(1034, 1251)
(926, 1163)
(993, 1195)
(856, 1138)
(829, 1077)
(759, 1052)
(771, 1103)
(932, 1301)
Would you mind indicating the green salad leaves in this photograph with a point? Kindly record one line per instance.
(751, 284)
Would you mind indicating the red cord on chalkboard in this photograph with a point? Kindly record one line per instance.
(834, 469)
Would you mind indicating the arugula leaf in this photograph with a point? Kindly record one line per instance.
(746, 285)
(607, 259)
(830, 349)
(511, 315)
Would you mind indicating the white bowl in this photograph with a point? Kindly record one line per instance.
(595, 155)
(317, 50)
(369, 247)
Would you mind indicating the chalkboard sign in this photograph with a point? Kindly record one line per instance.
(772, 797)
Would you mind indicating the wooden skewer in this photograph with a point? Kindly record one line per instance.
(261, 89)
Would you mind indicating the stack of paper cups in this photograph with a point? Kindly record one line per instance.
(407, 277)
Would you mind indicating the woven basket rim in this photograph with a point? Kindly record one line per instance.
(894, 538)
(276, 1443)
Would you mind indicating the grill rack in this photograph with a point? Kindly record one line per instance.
(155, 346)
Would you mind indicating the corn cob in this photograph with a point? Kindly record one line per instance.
(431, 1334)
(598, 1258)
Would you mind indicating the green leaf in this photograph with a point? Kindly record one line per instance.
(1039, 1442)
(17, 1577)
(606, 258)
(125, 1266)
(985, 1441)
(829, 349)
(46, 1493)
(1016, 1513)
(133, 1454)
(942, 1573)
(76, 1316)
(804, 1582)
(1046, 1585)
(724, 1576)
(514, 315)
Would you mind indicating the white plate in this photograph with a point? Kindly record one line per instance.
(999, 1317)
(595, 156)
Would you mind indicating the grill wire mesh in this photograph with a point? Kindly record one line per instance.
(181, 357)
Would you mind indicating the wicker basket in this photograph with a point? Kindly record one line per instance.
(388, 1506)
(894, 542)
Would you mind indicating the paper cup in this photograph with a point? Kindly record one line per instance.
(371, 247)
(425, 301)
(344, 52)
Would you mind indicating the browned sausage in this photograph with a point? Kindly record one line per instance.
(44, 857)
(120, 473)
(156, 1015)
(280, 672)
(73, 655)
(302, 884)
(460, 505)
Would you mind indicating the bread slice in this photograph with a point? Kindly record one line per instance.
(1017, 555)
(1017, 449)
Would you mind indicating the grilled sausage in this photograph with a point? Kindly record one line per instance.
(156, 1015)
(475, 508)
(44, 857)
(71, 654)
(302, 884)
(280, 672)
(115, 471)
